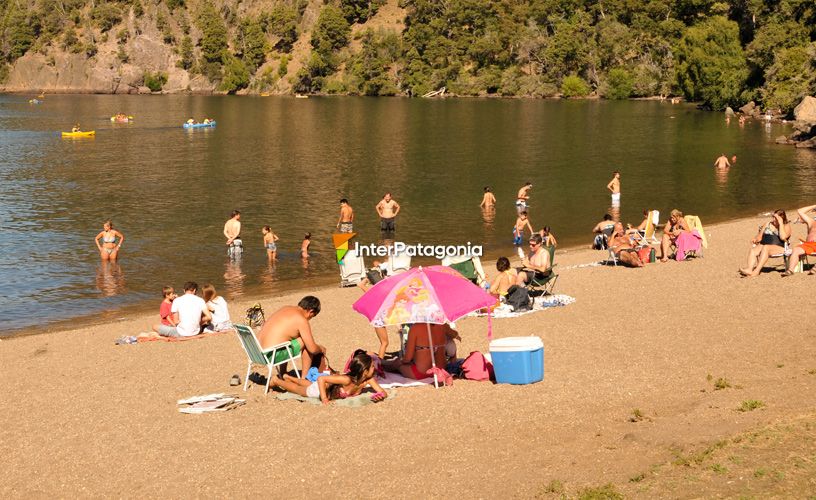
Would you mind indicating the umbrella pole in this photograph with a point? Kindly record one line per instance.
(433, 355)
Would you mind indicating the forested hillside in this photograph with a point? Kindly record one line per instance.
(719, 53)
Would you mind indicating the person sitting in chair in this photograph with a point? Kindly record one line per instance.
(808, 246)
(602, 231)
(537, 265)
(621, 245)
(673, 228)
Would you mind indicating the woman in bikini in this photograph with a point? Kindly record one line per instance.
(506, 278)
(672, 229)
(337, 386)
(270, 239)
(770, 240)
(109, 247)
(417, 359)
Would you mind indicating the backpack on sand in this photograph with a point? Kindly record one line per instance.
(476, 367)
(519, 298)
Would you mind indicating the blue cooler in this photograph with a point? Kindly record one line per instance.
(518, 360)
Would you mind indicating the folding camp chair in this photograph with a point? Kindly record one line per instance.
(652, 221)
(352, 269)
(468, 266)
(694, 224)
(264, 357)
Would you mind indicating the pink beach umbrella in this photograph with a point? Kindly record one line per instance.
(435, 294)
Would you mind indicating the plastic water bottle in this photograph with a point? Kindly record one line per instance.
(520, 253)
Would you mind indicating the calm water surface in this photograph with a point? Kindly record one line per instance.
(286, 162)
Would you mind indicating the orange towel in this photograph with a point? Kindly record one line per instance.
(809, 246)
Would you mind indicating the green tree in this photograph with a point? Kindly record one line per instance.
(791, 77)
(282, 22)
(371, 65)
(359, 11)
(620, 83)
(106, 16)
(20, 35)
(574, 86)
(213, 34)
(711, 65)
(236, 75)
(251, 44)
(331, 32)
(187, 57)
(155, 81)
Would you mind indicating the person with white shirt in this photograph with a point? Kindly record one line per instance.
(218, 307)
(190, 311)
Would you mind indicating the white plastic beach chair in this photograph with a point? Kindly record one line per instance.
(648, 234)
(265, 357)
(352, 269)
(398, 264)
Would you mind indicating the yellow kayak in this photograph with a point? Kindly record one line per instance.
(89, 133)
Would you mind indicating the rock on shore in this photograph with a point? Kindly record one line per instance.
(804, 126)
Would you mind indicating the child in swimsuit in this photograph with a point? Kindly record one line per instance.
(518, 230)
(360, 374)
(269, 239)
(304, 247)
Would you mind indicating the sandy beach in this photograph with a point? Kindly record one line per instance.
(629, 401)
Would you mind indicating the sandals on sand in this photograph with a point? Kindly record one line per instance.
(786, 274)
(235, 380)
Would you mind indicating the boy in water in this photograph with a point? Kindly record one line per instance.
(522, 196)
(518, 230)
(488, 200)
(614, 187)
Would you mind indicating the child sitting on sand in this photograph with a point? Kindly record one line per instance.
(167, 326)
(218, 307)
(337, 386)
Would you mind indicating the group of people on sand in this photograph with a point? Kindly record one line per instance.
(189, 314)
(319, 380)
(773, 240)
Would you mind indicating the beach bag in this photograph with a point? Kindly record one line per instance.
(643, 254)
(255, 316)
(518, 298)
(375, 275)
(476, 367)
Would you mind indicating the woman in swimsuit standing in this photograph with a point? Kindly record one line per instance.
(109, 248)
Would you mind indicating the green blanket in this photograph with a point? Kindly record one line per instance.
(353, 402)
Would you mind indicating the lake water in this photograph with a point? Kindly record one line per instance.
(286, 162)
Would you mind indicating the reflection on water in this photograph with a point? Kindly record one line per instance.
(110, 279)
(286, 162)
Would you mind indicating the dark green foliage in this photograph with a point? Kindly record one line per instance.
(791, 77)
(711, 63)
(122, 35)
(619, 84)
(122, 54)
(155, 81)
(213, 34)
(19, 36)
(106, 16)
(174, 4)
(283, 68)
(72, 43)
(236, 75)
(359, 11)
(138, 9)
(282, 22)
(164, 26)
(250, 43)
(372, 64)
(331, 32)
(187, 58)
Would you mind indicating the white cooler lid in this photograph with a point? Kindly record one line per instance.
(509, 344)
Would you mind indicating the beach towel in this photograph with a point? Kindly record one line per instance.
(181, 339)
(391, 380)
(363, 399)
(687, 242)
(539, 304)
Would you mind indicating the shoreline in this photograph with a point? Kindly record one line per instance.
(317, 283)
(647, 367)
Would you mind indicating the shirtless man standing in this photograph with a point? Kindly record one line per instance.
(522, 196)
(809, 246)
(614, 187)
(291, 324)
(387, 209)
(722, 162)
(232, 230)
(346, 221)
